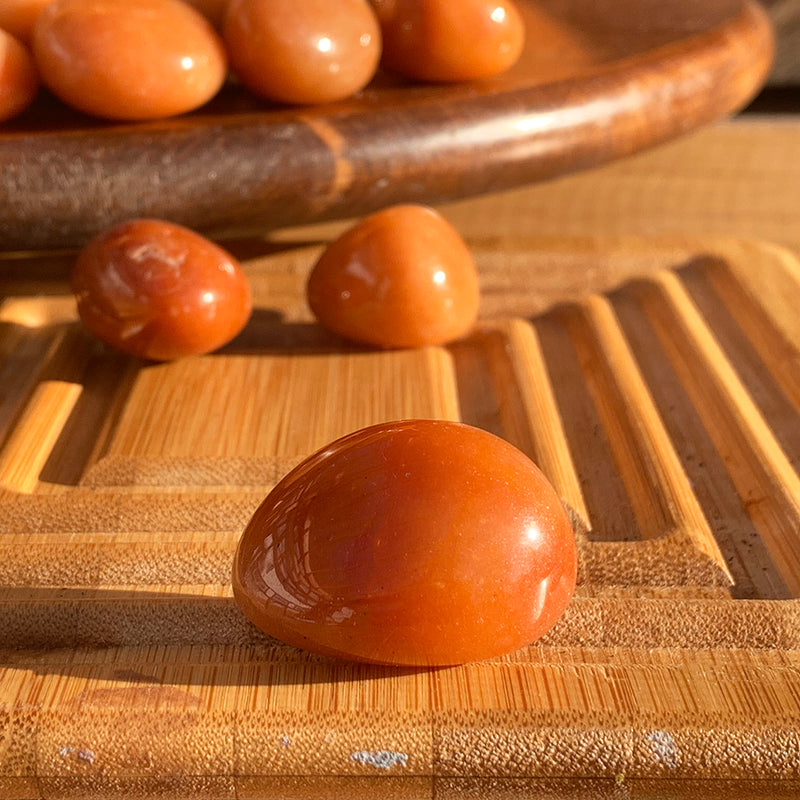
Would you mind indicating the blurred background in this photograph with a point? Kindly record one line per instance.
(786, 17)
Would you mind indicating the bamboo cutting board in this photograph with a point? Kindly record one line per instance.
(656, 382)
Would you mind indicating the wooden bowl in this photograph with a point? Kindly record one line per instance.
(598, 80)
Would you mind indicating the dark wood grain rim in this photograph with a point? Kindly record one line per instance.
(255, 172)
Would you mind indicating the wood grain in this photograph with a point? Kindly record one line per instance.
(654, 382)
(597, 81)
(737, 178)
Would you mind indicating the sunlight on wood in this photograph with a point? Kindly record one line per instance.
(30, 444)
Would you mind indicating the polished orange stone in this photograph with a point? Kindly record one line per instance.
(133, 60)
(18, 17)
(159, 291)
(416, 542)
(447, 41)
(19, 80)
(402, 277)
(314, 51)
(212, 10)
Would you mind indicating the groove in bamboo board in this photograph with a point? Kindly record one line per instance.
(39, 396)
(34, 435)
(764, 477)
(745, 553)
(528, 413)
(168, 556)
(660, 494)
(199, 420)
(206, 615)
(22, 353)
(728, 295)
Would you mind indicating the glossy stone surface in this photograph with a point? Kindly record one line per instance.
(129, 60)
(446, 41)
(160, 291)
(314, 51)
(414, 543)
(212, 10)
(19, 80)
(402, 277)
(18, 17)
